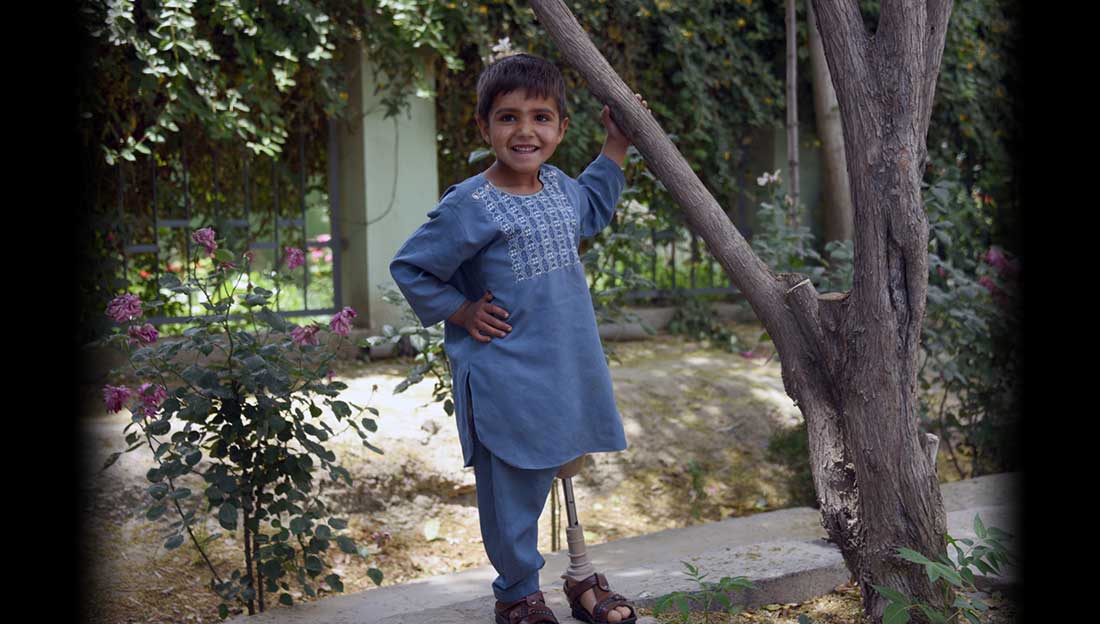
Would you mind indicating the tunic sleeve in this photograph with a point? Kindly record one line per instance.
(427, 260)
(600, 186)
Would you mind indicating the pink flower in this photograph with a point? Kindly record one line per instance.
(250, 256)
(942, 273)
(150, 401)
(294, 258)
(324, 238)
(330, 375)
(227, 265)
(749, 354)
(146, 334)
(205, 237)
(994, 257)
(341, 323)
(303, 336)
(124, 308)
(115, 397)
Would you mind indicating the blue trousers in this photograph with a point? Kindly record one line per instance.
(509, 503)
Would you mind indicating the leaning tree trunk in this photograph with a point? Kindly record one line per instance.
(849, 359)
(837, 198)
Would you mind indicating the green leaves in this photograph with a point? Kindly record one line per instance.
(110, 461)
(159, 427)
(347, 545)
(334, 582)
(375, 575)
(341, 409)
(227, 516)
(272, 320)
(156, 511)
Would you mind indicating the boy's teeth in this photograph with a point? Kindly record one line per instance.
(524, 149)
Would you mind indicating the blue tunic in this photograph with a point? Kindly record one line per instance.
(542, 394)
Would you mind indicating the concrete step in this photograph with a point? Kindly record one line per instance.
(784, 553)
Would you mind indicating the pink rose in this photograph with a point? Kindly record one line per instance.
(294, 258)
(115, 397)
(994, 257)
(151, 398)
(341, 322)
(124, 308)
(146, 334)
(205, 237)
(303, 336)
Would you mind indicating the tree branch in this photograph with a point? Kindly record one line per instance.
(939, 14)
(747, 272)
(843, 20)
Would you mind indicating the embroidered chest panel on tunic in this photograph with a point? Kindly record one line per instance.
(540, 229)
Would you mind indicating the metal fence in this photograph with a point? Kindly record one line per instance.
(256, 203)
(666, 263)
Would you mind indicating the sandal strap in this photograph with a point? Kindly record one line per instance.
(574, 593)
(608, 603)
(533, 606)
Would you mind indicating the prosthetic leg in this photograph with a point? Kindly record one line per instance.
(579, 566)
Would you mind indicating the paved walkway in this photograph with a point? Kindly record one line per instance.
(783, 552)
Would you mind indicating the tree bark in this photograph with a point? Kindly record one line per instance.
(849, 360)
(836, 196)
(792, 108)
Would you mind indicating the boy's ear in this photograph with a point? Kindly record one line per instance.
(483, 130)
(564, 125)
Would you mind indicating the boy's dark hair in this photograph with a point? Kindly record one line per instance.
(538, 76)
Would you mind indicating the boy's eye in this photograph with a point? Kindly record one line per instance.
(541, 116)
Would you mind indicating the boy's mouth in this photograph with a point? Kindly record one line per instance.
(524, 149)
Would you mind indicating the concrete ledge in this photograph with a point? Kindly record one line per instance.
(783, 552)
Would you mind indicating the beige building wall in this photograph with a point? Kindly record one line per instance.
(388, 184)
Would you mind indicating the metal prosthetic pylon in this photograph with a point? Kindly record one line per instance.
(580, 567)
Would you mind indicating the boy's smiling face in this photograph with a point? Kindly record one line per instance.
(518, 122)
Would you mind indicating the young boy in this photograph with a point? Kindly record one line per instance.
(498, 261)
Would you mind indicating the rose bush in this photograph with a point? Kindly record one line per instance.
(248, 422)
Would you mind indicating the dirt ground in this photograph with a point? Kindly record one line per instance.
(697, 422)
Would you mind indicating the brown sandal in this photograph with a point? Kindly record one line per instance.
(605, 601)
(530, 609)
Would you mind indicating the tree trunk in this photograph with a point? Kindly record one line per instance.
(849, 359)
(836, 196)
(792, 109)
